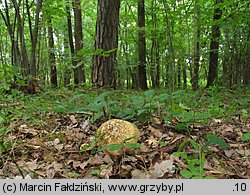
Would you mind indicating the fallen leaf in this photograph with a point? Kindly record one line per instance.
(53, 169)
(125, 170)
(73, 119)
(107, 159)
(24, 126)
(56, 141)
(28, 177)
(171, 134)
(229, 153)
(80, 164)
(154, 132)
(96, 160)
(144, 148)
(85, 125)
(160, 169)
(107, 172)
(140, 174)
(152, 142)
(50, 172)
(32, 166)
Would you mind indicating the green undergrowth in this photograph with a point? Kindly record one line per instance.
(188, 107)
(181, 109)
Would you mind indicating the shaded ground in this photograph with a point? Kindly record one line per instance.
(49, 145)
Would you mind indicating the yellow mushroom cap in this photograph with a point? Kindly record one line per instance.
(116, 131)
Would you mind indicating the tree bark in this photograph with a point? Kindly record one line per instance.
(52, 57)
(33, 36)
(66, 56)
(79, 71)
(106, 38)
(24, 60)
(195, 79)
(142, 74)
(15, 52)
(170, 70)
(246, 67)
(70, 39)
(214, 47)
(155, 65)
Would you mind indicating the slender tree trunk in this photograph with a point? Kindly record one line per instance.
(67, 72)
(106, 38)
(184, 74)
(171, 70)
(142, 75)
(52, 57)
(70, 40)
(214, 46)
(189, 64)
(246, 67)
(179, 73)
(33, 36)
(24, 55)
(226, 61)
(236, 61)
(79, 71)
(15, 53)
(125, 47)
(195, 79)
(155, 65)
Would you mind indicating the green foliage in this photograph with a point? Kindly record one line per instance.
(195, 163)
(246, 137)
(5, 121)
(212, 140)
(117, 147)
(7, 75)
(97, 172)
(190, 108)
(112, 147)
(89, 146)
(172, 25)
(162, 143)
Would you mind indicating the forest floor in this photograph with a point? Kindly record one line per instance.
(203, 134)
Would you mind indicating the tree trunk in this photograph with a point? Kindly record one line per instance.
(79, 71)
(171, 70)
(214, 46)
(52, 57)
(154, 65)
(24, 55)
(66, 56)
(246, 67)
(70, 40)
(236, 61)
(15, 52)
(195, 79)
(33, 36)
(142, 75)
(184, 74)
(106, 38)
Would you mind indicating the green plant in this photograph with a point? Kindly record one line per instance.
(5, 120)
(97, 172)
(195, 164)
(89, 146)
(245, 137)
(117, 147)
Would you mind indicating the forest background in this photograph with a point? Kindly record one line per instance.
(177, 69)
(133, 44)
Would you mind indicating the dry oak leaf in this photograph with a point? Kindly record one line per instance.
(140, 174)
(160, 169)
(154, 132)
(73, 119)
